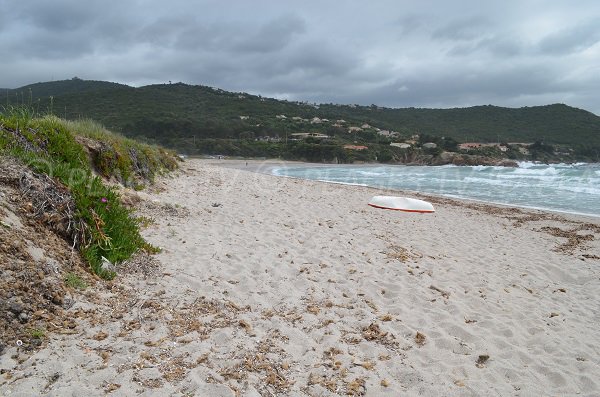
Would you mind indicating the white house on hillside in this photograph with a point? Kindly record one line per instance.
(400, 145)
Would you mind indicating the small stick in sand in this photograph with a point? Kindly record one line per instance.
(445, 294)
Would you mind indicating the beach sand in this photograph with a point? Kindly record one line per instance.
(276, 286)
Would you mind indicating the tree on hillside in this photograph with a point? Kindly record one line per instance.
(540, 151)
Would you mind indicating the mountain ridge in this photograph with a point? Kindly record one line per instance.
(167, 112)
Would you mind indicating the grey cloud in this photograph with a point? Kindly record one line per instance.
(464, 49)
(272, 36)
(205, 37)
(112, 36)
(55, 30)
(188, 33)
(463, 29)
(166, 31)
(58, 16)
(3, 21)
(464, 88)
(390, 53)
(573, 39)
(50, 46)
(409, 24)
(322, 72)
(504, 46)
(299, 66)
(315, 58)
(498, 45)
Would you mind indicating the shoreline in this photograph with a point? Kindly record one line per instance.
(278, 286)
(265, 166)
(324, 164)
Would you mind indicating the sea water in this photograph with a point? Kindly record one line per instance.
(572, 188)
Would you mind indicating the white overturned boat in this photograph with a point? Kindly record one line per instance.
(401, 204)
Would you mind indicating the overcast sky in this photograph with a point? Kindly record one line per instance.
(426, 53)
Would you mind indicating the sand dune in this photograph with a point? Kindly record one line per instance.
(277, 286)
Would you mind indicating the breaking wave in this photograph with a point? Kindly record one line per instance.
(571, 188)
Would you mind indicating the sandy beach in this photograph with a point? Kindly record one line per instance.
(270, 286)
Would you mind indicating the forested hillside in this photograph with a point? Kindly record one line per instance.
(185, 116)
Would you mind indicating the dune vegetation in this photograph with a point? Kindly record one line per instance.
(82, 157)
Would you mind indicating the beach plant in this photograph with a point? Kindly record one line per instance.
(37, 333)
(145, 221)
(127, 160)
(74, 281)
(22, 114)
(105, 228)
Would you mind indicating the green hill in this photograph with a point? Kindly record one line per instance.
(179, 114)
(557, 124)
(62, 87)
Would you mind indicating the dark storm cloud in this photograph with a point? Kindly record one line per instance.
(427, 53)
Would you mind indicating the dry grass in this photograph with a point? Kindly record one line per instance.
(402, 254)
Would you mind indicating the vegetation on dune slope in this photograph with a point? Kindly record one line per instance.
(68, 151)
(130, 162)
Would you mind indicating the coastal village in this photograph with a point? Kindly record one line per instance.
(396, 139)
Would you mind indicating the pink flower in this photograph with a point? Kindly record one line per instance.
(104, 200)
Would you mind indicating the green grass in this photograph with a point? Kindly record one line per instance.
(127, 160)
(72, 280)
(49, 145)
(37, 333)
(145, 221)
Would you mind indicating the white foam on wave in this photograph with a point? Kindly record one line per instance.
(527, 164)
(342, 183)
(534, 186)
(570, 165)
(494, 182)
(446, 166)
(530, 179)
(534, 172)
(579, 189)
(371, 173)
(489, 168)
